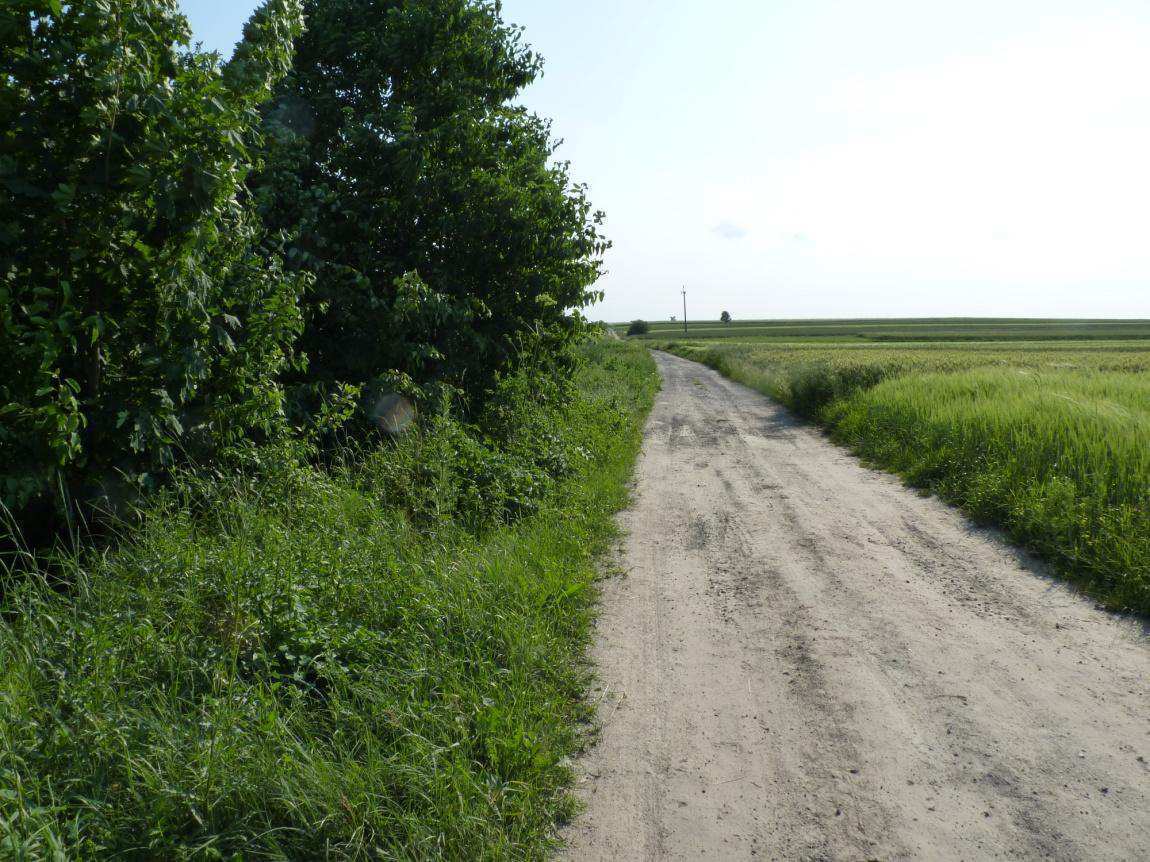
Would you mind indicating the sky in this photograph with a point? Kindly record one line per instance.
(848, 158)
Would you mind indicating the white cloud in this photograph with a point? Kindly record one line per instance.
(728, 230)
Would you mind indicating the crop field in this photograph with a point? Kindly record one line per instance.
(911, 329)
(1044, 436)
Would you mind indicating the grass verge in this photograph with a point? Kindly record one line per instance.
(296, 668)
(1051, 444)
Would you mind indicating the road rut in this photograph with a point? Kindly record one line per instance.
(803, 659)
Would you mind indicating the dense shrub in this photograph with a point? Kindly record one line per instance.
(426, 204)
(638, 327)
(483, 473)
(136, 324)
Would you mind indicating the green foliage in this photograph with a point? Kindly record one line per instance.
(428, 207)
(638, 327)
(292, 666)
(725, 317)
(1052, 442)
(136, 324)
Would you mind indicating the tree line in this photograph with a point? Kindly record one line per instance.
(200, 256)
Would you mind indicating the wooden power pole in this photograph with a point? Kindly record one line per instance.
(684, 309)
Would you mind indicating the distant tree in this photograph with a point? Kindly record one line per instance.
(638, 327)
(672, 318)
(725, 317)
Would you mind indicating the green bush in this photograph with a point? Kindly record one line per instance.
(638, 327)
(136, 324)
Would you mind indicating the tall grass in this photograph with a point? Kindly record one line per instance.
(1051, 443)
(300, 667)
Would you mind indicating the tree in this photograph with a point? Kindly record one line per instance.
(638, 327)
(725, 317)
(135, 323)
(441, 235)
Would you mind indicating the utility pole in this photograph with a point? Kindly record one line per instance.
(684, 309)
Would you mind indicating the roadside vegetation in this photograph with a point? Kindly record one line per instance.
(382, 659)
(199, 256)
(1049, 441)
(306, 447)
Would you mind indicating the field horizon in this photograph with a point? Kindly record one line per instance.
(901, 329)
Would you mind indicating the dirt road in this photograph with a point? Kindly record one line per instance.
(806, 660)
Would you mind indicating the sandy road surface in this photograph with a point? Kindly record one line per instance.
(807, 660)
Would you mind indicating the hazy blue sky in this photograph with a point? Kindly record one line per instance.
(814, 158)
